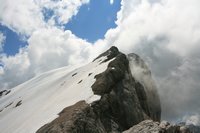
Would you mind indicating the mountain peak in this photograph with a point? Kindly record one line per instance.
(106, 95)
(123, 102)
(110, 53)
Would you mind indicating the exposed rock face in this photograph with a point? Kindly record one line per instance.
(124, 102)
(79, 118)
(4, 92)
(149, 126)
(111, 53)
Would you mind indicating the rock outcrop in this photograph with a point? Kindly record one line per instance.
(125, 101)
(149, 126)
(78, 118)
(4, 92)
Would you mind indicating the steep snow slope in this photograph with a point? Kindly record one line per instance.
(38, 101)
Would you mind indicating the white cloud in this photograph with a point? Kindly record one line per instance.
(63, 10)
(22, 16)
(2, 39)
(26, 16)
(63, 49)
(111, 2)
(48, 49)
(166, 34)
(149, 20)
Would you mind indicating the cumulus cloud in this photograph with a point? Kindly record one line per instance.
(27, 16)
(49, 46)
(22, 16)
(62, 10)
(63, 49)
(165, 33)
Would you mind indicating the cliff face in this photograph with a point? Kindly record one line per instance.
(126, 99)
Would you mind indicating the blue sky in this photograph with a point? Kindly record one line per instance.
(91, 23)
(94, 19)
(13, 41)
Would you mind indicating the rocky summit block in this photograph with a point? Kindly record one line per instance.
(124, 101)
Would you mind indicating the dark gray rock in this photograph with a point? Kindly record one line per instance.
(18, 103)
(118, 89)
(110, 53)
(113, 74)
(4, 92)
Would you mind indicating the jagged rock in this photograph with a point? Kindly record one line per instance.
(18, 103)
(4, 92)
(111, 53)
(123, 103)
(124, 92)
(77, 118)
(149, 126)
(105, 80)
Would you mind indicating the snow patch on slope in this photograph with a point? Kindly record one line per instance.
(44, 96)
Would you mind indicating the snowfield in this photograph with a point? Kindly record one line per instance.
(36, 102)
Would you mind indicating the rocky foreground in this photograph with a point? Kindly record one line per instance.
(149, 126)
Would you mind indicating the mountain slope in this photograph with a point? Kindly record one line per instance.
(43, 97)
(111, 97)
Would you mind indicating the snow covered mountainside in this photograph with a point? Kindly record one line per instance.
(110, 87)
(43, 97)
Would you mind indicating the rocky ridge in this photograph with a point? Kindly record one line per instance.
(113, 94)
(124, 101)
